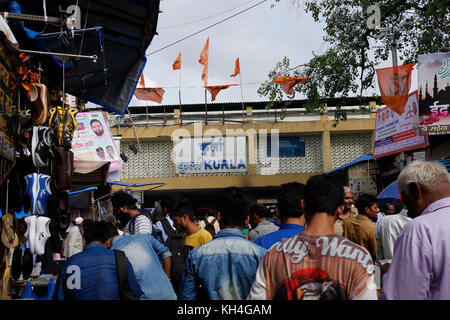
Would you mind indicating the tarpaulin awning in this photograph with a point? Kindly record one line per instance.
(128, 27)
(360, 159)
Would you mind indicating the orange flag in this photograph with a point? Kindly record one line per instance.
(288, 83)
(152, 94)
(142, 81)
(177, 64)
(237, 68)
(214, 90)
(394, 83)
(204, 61)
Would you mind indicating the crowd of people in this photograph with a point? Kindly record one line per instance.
(326, 245)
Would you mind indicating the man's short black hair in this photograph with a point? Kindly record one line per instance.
(171, 202)
(96, 231)
(323, 193)
(289, 199)
(260, 210)
(122, 199)
(211, 212)
(365, 201)
(183, 208)
(112, 230)
(233, 207)
(95, 120)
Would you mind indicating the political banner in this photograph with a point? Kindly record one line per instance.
(396, 133)
(211, 155)
(93, 141)
(434, 93)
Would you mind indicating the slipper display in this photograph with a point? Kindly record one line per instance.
(9, 237)
(38, 190)
(40, 97)
(16, 267)
(42, 234)
(40, 146)
(27, 264)
(31, 231)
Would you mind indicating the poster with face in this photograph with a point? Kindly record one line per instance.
(93, 141)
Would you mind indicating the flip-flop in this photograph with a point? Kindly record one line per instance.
(9, 237)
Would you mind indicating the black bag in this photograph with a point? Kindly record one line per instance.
(133, 221)
(209, 226)
(122, 275)
(174, 242)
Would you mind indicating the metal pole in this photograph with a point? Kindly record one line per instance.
(242, 96)
(94, 57)
(206, 109)
(179, 97)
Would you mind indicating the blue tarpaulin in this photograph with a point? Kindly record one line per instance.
(360, 159)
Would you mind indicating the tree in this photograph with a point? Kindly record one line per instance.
(345, 68)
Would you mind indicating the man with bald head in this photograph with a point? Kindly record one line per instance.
(419, 268)
(349, 212)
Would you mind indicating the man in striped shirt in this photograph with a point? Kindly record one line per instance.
(124, 203)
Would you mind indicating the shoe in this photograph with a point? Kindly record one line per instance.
(9, 237)
(40, 146)
(16, 267)
(42, 234)
(70, 125)
(38, 190)
(27, 264)
(40, 97)
(31, 232)
(55, 121)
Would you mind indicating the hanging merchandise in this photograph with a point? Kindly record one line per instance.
(38, 190)
(394, 83)
(37, 233)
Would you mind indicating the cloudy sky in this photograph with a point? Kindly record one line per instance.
(260, 37)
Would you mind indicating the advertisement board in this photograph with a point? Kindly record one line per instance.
(289, 147)
(92, 141)
(395, 133)
(434, 93)
(211, 155)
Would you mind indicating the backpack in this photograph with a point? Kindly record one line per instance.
(209, 226)
(133, 221)
(179, 252)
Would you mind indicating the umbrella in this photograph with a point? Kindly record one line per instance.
(389, 194)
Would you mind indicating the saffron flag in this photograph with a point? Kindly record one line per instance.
(152, 94)
(237, 68)
(142, 81)
(214, 90)
(204, 61)
(394, 83)
(288, 83)
(177, 64)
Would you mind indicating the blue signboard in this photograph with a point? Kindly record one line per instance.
(289, 147)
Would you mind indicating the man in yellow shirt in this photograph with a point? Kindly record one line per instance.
(183, 220)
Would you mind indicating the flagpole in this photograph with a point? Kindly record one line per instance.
(242, 96)
(179, 97)
(206, 109)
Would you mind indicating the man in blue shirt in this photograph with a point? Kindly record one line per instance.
(145, 254)
(92, 273)
(225, 267)
(290, 212)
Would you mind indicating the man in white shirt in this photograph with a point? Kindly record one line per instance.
(74, 241)
(387, 232)
(161, 213)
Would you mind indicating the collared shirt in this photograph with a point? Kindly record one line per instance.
(362, 231)
(306, 267)
(144, 253)
(339, 224)
(224, 267)
(92, 275)
(160, 227)
(263, 228)
(387, 232)
(286, 230)
(420, 267)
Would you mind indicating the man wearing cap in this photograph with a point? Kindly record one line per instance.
(74, 242)
(349, 212)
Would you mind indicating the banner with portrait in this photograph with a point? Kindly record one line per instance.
(396, 133)
(93, 142)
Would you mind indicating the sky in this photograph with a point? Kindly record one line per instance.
(260, 37)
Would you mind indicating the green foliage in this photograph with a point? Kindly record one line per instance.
(345, 68)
